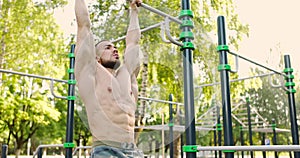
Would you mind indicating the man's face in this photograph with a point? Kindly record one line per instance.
(109, 55)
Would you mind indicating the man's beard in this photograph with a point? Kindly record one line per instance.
(111, 64)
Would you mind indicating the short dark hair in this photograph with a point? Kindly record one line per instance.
(100, 42)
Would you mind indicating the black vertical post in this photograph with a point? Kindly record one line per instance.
(263, 138)
(224, 68)
(219, 129)
(171, 124)
(249, 124)
(292, 106)
(68, 145)
(242, 139)
(290, 153)
(186, 37)
(40, 153)
(4, 151)
(215, 141)
(181, 134)
(274, 136)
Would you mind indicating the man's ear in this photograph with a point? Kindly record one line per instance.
(98, 59)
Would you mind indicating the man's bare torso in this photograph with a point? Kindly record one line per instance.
(111, 110)
(109, 96)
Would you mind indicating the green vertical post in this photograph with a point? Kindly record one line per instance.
(186, 37)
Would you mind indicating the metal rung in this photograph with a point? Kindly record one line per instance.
(241, 114)
(241, 109)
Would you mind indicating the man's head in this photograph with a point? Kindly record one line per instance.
(107, 54)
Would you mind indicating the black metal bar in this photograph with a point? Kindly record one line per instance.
(219, 130)
(40, 153)
(257, 64)
(188, 85)
(145, 6)
(292, 106)
(171, 123)
(215, 140)
(263, 138)
(4, 151)
(242, 139)
(32, 75)
(181, 134)
(71, 100)
(274, 136)
(225, 87)
(249, 125)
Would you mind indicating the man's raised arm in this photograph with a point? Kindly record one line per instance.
(132, 52)
(133, 33)
(83, 19)
(85, 49)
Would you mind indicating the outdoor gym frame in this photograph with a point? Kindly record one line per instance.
(187, 47)
(224, 68)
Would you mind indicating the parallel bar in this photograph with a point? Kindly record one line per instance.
(46, 146)
(161, 101)
(160, 13)
(80, 147)
(32, 75)
(252, 148)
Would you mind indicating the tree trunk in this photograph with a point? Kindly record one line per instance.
(177, 137)
(141, 109)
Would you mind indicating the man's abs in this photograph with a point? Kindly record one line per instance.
(111, 123)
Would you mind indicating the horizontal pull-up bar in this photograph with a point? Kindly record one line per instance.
(32, 75)
(236, 80)
(256, 63)
(145, 6)
(39, 77)
(142, 30)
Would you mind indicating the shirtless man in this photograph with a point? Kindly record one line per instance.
(108, 89)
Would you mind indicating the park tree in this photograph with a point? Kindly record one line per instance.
(30, 42)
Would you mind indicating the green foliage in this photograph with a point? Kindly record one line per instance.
(31, 43)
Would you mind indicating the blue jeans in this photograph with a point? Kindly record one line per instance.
(112, 152)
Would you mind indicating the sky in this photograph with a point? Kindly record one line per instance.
(272, 23)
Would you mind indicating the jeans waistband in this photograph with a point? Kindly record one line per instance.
(123, 145)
